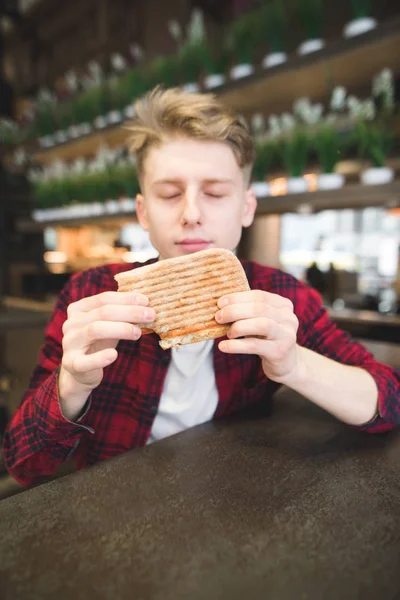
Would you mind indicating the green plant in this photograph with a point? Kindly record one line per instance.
(361, 8)
(311, 15)
(117, 94)
(64, 116)
(165, 71)
(134, 84)
(190, 60)
(91, 103)
(115, 182)
(45, 120)
(271, 25)
(213, 61)
(241, 37)
(374, 141)
(294, 151)
(265, 156)
(327, 145)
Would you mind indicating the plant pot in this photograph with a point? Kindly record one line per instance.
(377, 176)
(330, 181)
(96, 208)
(297, 185)
(114, 116)
(260, 189)
(274, 59)
(129, 111)
(73, 131)
(127, 204)
(85, 128)
(242, 70)
(191, 87)
(100, 122)
(359, 26)
(310, 46)
(112, 206)
(60, 137)
(47, 141)
(215, 80)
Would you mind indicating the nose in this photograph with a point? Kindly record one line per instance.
(191, 214)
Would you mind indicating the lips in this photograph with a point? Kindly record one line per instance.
(194, 244)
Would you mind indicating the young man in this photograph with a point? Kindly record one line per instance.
(100, 388)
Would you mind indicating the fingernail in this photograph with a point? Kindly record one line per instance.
(149, 314)
(218, 316)
(223, 302)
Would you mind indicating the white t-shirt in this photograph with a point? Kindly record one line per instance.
(190, 394)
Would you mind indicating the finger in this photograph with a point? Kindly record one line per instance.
(237, 312)
(100, 330)
(246, 346)
(93, 302)
(271, 351)
(255, 296)
(110, 312)
(248, 310)
(84, 363)
(266, 328)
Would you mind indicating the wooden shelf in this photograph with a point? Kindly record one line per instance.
(114, 137)
(348, 62)
(355, 196)
(351, 63)
(351, 196)
(29, 225)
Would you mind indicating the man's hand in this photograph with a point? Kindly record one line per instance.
(91, 333)
(269, 328)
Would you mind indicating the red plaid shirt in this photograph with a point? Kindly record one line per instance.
(121, 411)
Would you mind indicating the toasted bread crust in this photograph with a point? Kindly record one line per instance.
(184, 292)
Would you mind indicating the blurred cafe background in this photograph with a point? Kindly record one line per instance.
(318, 82)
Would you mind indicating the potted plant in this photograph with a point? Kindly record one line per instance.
(190, 52)
(165, 71)
(134, 84)
(92, 103)
(118, 99)
(374, 141)
(215, 64)
(271, 27)
(190, 65)
(241, 44)
(311, 16)
(45, 118)
(362, 20)
(265, 155)
(294, 149)
(327, 145)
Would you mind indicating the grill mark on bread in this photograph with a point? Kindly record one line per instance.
(184, 293)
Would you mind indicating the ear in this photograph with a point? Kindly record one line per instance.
(141, 212)
(250, 205)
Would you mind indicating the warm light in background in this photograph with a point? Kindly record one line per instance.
(53, 257)
(312, 181)
(278, 186)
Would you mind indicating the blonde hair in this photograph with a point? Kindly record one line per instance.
(162, 114)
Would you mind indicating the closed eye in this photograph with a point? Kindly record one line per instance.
(171, 197)
(213, 195)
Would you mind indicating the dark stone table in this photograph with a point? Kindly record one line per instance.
(287, 507)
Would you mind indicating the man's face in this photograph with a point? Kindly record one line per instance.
(194, 197)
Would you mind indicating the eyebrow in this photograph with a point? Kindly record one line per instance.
(178, 181)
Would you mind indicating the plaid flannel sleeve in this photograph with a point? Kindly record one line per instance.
(318, 333)
(39, 438)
